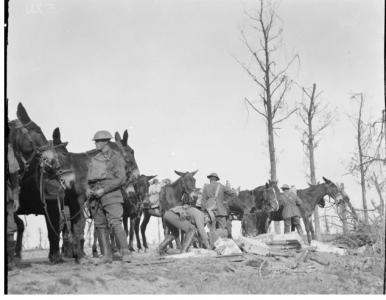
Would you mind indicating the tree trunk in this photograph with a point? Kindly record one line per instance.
(361, 166)
(311, 149)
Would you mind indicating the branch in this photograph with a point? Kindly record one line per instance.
(250, 74)
(255, 108)
(286, 117)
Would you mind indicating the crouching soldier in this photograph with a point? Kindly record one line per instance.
(188, 219)
(12, 204)
(106, 175)
(291, 212)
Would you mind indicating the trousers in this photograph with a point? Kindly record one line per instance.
(107, 216)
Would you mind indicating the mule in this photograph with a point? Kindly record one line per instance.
(311, 196)
(56, 158)
(26, 138)
(171, 195)
(256, 204)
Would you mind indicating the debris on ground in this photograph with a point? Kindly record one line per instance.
(225, 246)
(327, 247)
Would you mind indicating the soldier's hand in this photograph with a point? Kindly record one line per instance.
(16, 205)
(99, 193)
(89, 193)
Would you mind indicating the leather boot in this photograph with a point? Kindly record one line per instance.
(188, 240)
(163, 246)
(120, 237)
(105, 245)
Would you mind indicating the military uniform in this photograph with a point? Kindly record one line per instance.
(221, 210)
(12, 197)
(107, 171)
(291, 212)
(188, 219)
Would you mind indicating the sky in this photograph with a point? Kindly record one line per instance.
(166, 71)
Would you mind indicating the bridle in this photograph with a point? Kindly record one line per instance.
(266, 197)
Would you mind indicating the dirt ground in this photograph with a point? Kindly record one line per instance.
(148, 273)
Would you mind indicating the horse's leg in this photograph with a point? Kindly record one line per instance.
(19, 236)
(312, 229)
(307, 227)
(136, 230)
(95, 244)
(78, 223)
(53, 228)
(131, 233)
(145, 221)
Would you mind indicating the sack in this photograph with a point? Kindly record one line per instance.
(225, 246)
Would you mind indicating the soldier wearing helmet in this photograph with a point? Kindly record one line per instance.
(213, 195)
(106, 176)
(291, 212)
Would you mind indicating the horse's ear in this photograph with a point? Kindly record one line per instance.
(326, 180)
(56, 136)
(194, 173)
(151, 177)
(179, 173)
(118, 137)
(266, 185)
(125, 137)
(22, 114)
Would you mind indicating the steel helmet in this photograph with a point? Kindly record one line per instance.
(102, 135)
(285, 186)
(214, 175)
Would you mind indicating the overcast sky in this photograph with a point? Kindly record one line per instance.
(165, 70)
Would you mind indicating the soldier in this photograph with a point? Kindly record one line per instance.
(291, 212)
(106, 176)
(213, 202)
(13, 189)
(188, 219)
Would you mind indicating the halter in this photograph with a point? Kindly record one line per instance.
(265, 196)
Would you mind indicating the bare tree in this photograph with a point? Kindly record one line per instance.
(316, 117)
(272, 81)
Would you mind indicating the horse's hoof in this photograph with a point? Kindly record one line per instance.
(146, 250)
(131, 249)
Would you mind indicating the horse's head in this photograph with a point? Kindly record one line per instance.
(128, 155)
(333, 191)
(25, 136)
(266, 196)
(141, 186)
(188, 182)
(51, 155)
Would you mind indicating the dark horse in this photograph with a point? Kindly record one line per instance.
(132, 208)
(26, 138)
(56, 159)
(254, 204)
(171, 195)
(310, 197)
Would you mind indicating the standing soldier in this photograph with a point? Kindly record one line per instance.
(106, 176)
(12, 203)
(213, 202)
(291, 212)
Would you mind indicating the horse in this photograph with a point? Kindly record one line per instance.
(132, 208)
(26, 138)
(171, 195)
(253, 205)
(55, 158)
(310, 197)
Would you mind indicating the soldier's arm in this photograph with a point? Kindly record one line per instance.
(119, 176)
(204, 193)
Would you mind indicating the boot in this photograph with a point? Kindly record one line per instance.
(163, 246)
(105, 245)
(11, 244)
(187, 240)
(120, 237)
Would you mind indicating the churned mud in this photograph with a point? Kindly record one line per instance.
(318, 273)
